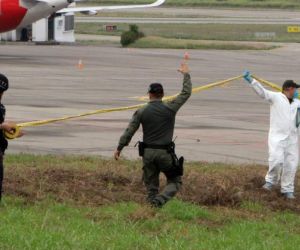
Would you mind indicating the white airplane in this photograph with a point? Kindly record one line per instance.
(20, 13)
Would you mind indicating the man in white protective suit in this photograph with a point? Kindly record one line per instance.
(283, 134)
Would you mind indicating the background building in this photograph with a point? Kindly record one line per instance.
(57, 28)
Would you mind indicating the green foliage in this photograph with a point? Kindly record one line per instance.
(129, 37)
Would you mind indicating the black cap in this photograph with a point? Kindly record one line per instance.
(3, 83)
(290, 84)
(156, 88)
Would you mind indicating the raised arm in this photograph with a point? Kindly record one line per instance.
(186, 91)
(259, 89)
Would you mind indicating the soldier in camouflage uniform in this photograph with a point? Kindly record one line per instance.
(4, 126)
(158, 120)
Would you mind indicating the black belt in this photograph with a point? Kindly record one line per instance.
(156, 146)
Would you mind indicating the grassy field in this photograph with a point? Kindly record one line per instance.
(79, 202)
(214, 3)
(49, 225)
(222, 32)
(171, 43)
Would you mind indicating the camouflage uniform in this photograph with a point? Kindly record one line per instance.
(158, 120)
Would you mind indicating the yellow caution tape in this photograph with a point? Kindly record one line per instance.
(216, 84)
(44, 122)
(17, 130)
(100, 111)
(198, 89)
(270, 84)
(12, 135)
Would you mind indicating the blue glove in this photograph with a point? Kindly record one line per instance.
(296, 95)
(247, 76)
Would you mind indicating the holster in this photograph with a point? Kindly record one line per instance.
(177, 168)
(178, 164)
(141, 147)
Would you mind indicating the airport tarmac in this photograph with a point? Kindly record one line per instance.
(169, 15)
(218, 13)
(228, 124)
(176, 20)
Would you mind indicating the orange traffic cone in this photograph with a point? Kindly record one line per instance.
(80, 64)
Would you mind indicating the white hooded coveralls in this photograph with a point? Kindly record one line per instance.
(283, 138)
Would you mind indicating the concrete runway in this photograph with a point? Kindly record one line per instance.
(177, 20)
(228, 124)
(198, 16)
(201, 12)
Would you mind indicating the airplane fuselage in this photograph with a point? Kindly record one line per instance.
(20, 13)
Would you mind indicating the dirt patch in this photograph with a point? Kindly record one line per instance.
(82, 187)
(98, 187)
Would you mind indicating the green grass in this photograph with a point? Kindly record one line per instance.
(220, 32)
(213, 3)
(97, 43)
(50, 225)
(169, 43)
